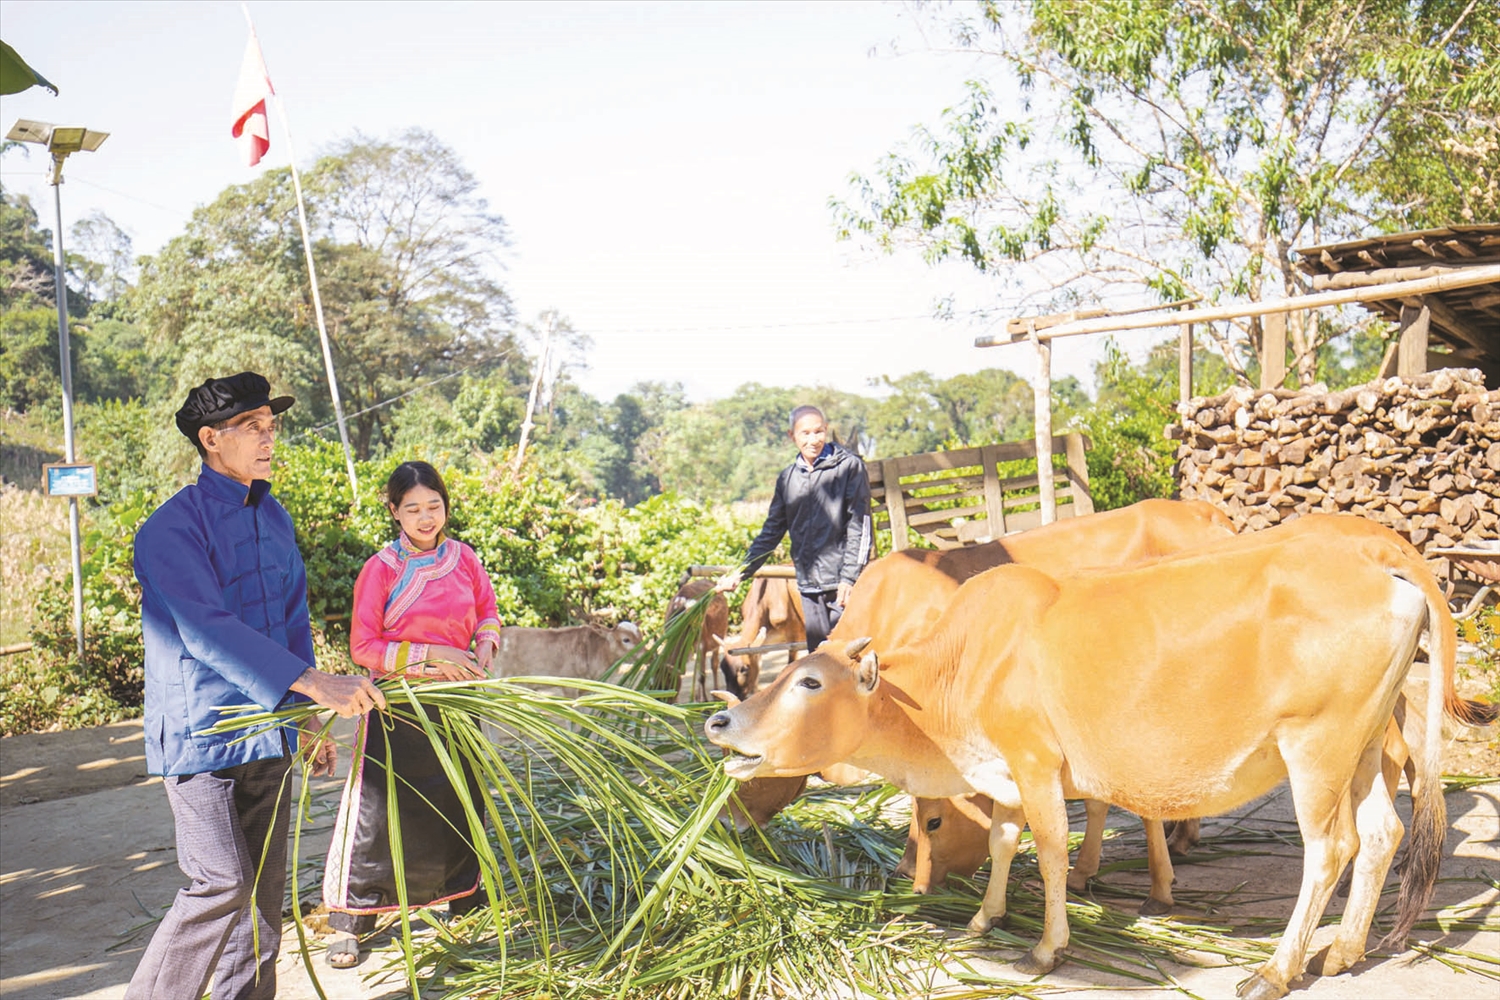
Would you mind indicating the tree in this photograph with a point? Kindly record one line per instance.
(405, 250)
(1184, 149)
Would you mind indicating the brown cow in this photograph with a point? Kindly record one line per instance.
(1181, 687)
(706, 653)
(771, 604)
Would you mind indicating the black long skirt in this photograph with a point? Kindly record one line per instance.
(436, 848)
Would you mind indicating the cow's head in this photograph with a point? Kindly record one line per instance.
(741, 673)
(813, 715)
(952, 837)
(623, 638)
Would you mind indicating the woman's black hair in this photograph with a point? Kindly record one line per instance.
(409, 474)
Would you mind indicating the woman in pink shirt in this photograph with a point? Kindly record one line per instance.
(420, 603)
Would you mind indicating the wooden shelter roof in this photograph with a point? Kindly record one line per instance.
(1466, 319)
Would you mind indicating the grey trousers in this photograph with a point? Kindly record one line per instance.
(223, 820)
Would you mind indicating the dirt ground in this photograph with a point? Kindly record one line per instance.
(88, 862)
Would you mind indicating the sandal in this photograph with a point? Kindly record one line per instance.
(343, 951)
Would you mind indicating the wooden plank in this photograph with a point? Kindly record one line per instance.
(1388, 360)
(897, 511)
(1411, 351)
(1385, 275)
(775, 647)
(1078, 474)
(943, 516)
(1042, 399)
(1468, 277)
(1028, 519)
(773, 572)
(994, 496)
(1272, 350)
(1184, 362)
(929, 462)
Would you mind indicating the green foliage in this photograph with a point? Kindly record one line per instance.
(52, 687)
(1188, 148)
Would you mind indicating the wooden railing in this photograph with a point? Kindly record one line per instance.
(963, 498)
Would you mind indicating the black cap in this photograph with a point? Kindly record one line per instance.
(221, 398)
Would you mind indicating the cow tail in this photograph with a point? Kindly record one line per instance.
(1429, 819)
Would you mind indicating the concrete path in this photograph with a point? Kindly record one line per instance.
(88, 862)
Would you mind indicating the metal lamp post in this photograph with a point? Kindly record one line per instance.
(61, 141)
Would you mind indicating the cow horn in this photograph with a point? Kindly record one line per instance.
(856, 647)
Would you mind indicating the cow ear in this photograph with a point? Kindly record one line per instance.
(727, 697)
(869, 672)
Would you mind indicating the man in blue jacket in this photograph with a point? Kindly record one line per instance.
(224, 617)
(822, 501)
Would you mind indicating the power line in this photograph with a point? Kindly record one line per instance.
(781, 326)
(416, 389)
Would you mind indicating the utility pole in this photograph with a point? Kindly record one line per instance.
(536, 384)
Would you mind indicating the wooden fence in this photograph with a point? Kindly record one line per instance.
(961, 498)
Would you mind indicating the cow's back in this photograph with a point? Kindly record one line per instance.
(575, 653)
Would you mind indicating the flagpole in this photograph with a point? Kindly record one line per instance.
(312, 273)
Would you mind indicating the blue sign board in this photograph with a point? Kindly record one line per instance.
(79, 480)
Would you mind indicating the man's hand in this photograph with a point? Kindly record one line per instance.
(348, 696)
(727, 582)
(843, 594)
(484, 653)
(449, 663)
(319, 755)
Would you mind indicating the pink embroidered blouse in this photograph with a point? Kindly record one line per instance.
(406, 600)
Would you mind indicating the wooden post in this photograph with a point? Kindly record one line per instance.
(1078, 475)
(1411, 355)
(895, 504)
(1046, 487)
(994, 496)
(1185, 363)
(1273, 350)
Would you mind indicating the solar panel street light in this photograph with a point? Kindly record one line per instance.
(62, 141)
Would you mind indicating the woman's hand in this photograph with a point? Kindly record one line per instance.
(485, 653)
(450, 663)
(319, 752)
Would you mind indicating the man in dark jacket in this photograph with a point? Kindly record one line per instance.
(822, 501)
(224, 618)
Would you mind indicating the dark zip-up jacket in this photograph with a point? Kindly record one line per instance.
(224, 617)
(825, 508)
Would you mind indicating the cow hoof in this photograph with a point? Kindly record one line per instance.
(1078, 882)
(981, 924)
(1032, 965)
(1258, 987)
(1154, 907)
(1331, 961)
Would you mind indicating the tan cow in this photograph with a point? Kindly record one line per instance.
(706, 654)
(1181, 687)
(900, 596)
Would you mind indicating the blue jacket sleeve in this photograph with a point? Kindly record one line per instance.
(857, 526)
(172, 563)
(772, 532)
(298, 622)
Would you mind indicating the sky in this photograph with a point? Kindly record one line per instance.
(665, 169)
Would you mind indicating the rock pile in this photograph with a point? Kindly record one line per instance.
(1420, 455)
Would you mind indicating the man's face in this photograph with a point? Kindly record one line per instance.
(810, 434)
(242, 449)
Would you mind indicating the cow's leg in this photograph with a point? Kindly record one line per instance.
(1321, 798)
(1380, 831)
(1087, 865)
(1047, 815)
(1182, 836)
(1006, 820)
(1159, 862)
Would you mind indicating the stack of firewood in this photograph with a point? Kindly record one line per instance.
(1420, 455)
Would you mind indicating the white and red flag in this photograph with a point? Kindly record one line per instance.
(251, 126)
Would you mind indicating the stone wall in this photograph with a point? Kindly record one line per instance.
(1420, 455)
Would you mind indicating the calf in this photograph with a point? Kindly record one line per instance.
(771, 611)
(580, 652)
(1185, 686)
(706, 652)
